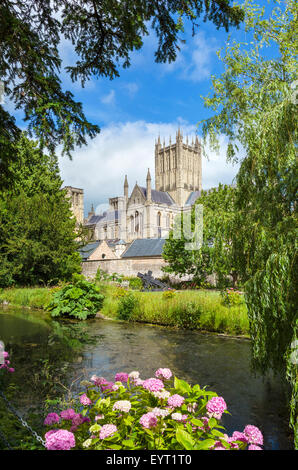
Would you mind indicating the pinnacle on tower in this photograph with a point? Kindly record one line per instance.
(126, 187)
(148, 175)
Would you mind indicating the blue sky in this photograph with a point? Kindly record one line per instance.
(146, 100)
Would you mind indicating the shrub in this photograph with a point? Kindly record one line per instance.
(168, 294)
(127, 305)
(79, 299)
(187, 315)
(231, 297)
(156, 413)
(134, 282)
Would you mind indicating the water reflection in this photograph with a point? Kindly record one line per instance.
(222, 364)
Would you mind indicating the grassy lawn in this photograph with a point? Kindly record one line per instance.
(34, 297)
(199, 310)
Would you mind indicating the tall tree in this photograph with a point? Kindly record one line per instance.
(220, 251)
(256, 105)
(37, 231)
(103, 33)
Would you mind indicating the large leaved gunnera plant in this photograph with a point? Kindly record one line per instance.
(80, 300)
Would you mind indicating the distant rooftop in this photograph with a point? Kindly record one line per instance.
(161, 197)
(145, 247)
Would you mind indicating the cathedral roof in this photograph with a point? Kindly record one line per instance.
(87, 250)
(160, 197)
(105, 217)
(192, 198)
(143, 247)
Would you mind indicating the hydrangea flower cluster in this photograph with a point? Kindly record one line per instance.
(163, 374)
(52, 418)
(76, 419)
(59, 439)
(175, 401)
(121, 413)
(253, 434)
(215, 407)
(153, 385)
(148, 420)
(107, 430)
(122, 405)
(6, 363)
(85, 400)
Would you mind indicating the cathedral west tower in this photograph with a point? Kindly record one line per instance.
(178, 168)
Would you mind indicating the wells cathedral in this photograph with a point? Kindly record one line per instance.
(146, 212)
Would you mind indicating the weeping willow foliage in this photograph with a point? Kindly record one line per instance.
(256, 103)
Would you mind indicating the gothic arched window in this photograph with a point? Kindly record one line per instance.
(137, 227)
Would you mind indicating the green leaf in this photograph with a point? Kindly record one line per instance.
(205, 445)
(182, 386)
(185, 439)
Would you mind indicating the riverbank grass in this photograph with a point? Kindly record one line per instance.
(197, 310)
(34, 297)
(200, 310)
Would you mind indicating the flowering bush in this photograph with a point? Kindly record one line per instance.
(157, 413)
(6, 362)
(231, 297)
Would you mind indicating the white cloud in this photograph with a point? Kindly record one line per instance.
(195, 60)
(132, 88)
(109, 98)
(128, 148)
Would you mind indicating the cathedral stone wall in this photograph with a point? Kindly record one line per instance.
(125, 266)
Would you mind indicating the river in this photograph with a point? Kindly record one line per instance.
(38, 347)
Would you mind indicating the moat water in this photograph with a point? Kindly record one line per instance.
(43, 350)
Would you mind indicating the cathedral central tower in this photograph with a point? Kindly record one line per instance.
(178, 168)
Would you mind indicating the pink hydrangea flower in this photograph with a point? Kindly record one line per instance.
(153, 385)
(107, 430)
(163, 374)
(218, 446)
(205, 426)
(215, 407)
(85, 400)
(160, 412)
(122, 405)
(6, 362)
(77, 420)
(253, 434)
(121, 377)
(179, 417)
(253, 447)
(98, 417)
(98, 380)
(162, 395)
(51, 418)
(134, 375)
(107, 386)
(138, 382)
(68, 414)
(148, 420)
(175, 400)
(239, 436)
(60, 439)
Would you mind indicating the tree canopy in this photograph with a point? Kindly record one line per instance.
(221, 248)
(103, 34)
(37, 231)
(256, 107)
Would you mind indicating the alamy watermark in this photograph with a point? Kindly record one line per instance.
(191, 225)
